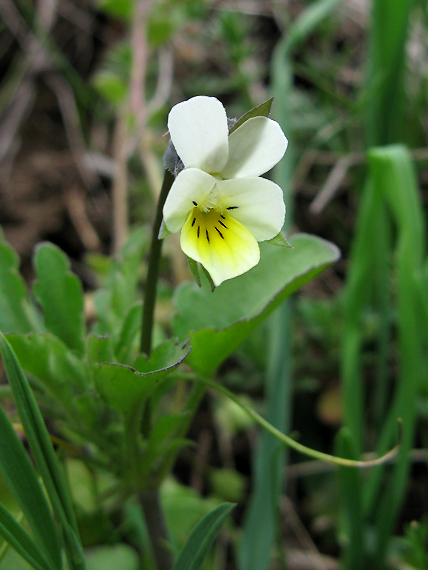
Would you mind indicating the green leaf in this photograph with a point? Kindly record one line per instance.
(119, 556)
(60, 294)
(47, 358)
(217, 324)
(124, 388)
(99, 348)
(118, 8)
(38, 440)
(15, 535)
(200, 541)
(195, 270)
(261, 110)
(279, 240)
(128, 343)
(113, 302)
(19, 473)
(16, 312)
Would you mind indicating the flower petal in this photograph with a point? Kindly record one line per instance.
(224, 247)
(254, 148)
(191, 187)
(199, 132)
(257, 203)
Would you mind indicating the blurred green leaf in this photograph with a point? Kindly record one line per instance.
(117, 557)
(60, 294)
(16, 312)
(118, 8)
(111, 86)
(218, 322)
(202, 538)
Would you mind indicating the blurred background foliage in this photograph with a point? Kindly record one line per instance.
(86, 86)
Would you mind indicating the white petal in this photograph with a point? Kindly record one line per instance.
(198, 129)
(191, 186)
(224, 247)
(254, 148)
(255, 202)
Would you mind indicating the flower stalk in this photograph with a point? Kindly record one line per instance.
(153, 269)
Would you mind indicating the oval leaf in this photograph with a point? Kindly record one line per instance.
(60, 294)
(218, 323)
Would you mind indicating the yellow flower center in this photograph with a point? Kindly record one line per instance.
(208, 224)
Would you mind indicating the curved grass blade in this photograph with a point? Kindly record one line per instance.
(202, 538)
(15, 535)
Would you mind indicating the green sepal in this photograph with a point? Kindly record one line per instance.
(164, 231)
(210, 280)
(194, 269)
(279, 240)
(261, 110)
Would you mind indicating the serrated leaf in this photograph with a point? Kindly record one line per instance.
(60, 294)
(261, 110)
(124, 388)
(194, 269)
(16, 312)
(200, 541)
(217, 324)
(279, 240)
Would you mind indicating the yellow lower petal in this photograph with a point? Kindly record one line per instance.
(224, 246)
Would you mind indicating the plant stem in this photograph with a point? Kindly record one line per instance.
(153, 270)
(156, 526)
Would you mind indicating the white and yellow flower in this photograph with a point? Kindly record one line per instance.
(218, 201)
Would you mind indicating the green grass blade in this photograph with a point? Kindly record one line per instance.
(350, 494)
(15, 535)
(261, 519)
(21, 478)
(201, 539)
(386, 112)
(38, 438)
(394, 176)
